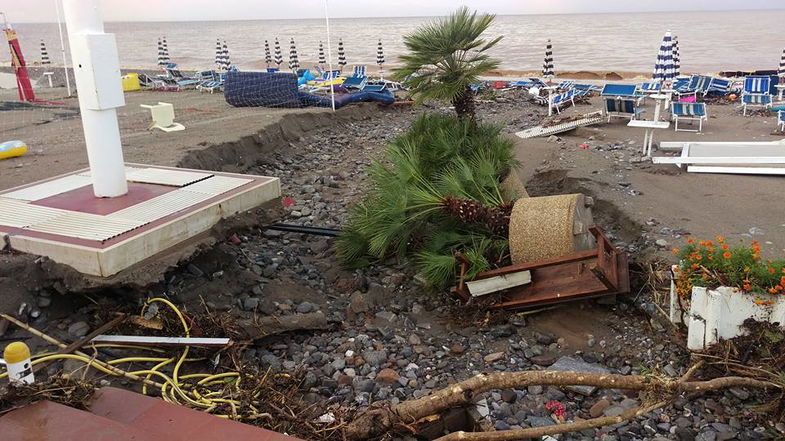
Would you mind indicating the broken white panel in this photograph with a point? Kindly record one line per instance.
(161, 176)
(86, 226)
(490, 285)
(20, 214)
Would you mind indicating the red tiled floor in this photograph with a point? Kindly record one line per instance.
(48, 421)
(83, 199)
(141, 411)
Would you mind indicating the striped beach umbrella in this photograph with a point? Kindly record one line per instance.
(294, 62)
(219, 54)
(341, 53)
(44, 54)
(781, 70)
(225, 56)
(278, 54)
(380, 54)
(322, 58)
(664, 67)
(161, 54)
(166, 50)
(676, 57)
(267, 57)
(547, 64)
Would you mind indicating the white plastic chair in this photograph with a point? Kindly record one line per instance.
(163, 117)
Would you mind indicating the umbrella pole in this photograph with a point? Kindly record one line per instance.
(62, 47)
(329, 53)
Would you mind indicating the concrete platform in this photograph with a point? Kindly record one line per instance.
(61, 219)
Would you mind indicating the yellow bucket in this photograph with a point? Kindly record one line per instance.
(131, 82)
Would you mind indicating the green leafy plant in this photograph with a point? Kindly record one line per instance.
(446, 57)
(435, 192)
(709, 263)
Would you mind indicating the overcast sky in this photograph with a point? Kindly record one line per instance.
(176, 10)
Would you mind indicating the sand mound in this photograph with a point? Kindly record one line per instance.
(613, 76)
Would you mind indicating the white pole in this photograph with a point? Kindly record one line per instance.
(329, 54)
(62, 48)
(97, 73)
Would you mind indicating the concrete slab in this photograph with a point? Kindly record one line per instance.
(101, 237)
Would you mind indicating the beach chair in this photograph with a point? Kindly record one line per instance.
(621, 91)
(756, 92)
(697, 84)
(375, 87)
(359, 71)
(172, 73)
(690, 112)
(559, 99)
(163, 117)
(565, 85)
(719, 86)
(650, 87)
(273, 70)
(781, 120)
(622, 108)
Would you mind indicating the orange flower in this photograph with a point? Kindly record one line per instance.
(675, 251)
(726, 255)
(709, 243)
(772, 291)
(745, 286)
(756, 256)
(771, 270)
(690, 241)
(726, 247)
(698, 257)
(720, 239)
(695, 266)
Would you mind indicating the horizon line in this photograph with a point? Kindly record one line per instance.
(429, 16)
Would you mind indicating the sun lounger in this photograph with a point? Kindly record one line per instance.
(756, 92)
(719, 86)
(559, 99)
(375, 87)
(781, 120)
(564, 85)
(359, 71)
(697, 84)
(764, 158)
(620, 91)
(622, 108)
(650, 87)
(690, 112)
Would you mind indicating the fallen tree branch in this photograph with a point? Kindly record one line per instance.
(376, 422)
(536, 432)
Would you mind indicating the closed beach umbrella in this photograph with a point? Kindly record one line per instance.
(547, 65)
(341, 53)
(294, 62)
(219, 54)
(663, 68)
(380, 54)
(44, 54)
(161, 54)
(781, 70)
(267, 57)
(322, 58)
(278, 54)
(166, 50)
(676, 57)
(225, 56)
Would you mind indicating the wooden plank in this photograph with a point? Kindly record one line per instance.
(483, 287)
(160, 341)
(581, 255)
(84, 340)
(737, 170)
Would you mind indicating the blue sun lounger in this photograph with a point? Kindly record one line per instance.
(622, 108)
(719, 86)
(781, 120)
(690, 112)
(756, 92)
(650, 87)
(562, 98)
(620, 91)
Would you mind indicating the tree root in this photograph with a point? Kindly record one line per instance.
(376, 422)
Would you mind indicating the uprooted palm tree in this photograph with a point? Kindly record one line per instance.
(446, 57)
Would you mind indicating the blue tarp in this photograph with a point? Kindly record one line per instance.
(265, 89)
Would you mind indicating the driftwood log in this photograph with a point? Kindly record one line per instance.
(376, 422)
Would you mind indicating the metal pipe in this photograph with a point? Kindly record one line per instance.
(97, 73)
(329, 54)
(62, 48)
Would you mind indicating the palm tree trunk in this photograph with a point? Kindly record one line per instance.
(464, 104)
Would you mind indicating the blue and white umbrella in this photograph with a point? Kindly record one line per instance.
(225, 56)
(341, 53)
(267, 57)
(166, 50)
(44, 54)
(664, 68)
(547, 65)
(322, 58)
(219, 54)
(278, 54)
(781, 70)
(163, 58)
(676, 57)
(294, 62)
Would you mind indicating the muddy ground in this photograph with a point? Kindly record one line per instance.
(380, 318)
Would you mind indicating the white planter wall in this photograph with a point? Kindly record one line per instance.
(719, 313)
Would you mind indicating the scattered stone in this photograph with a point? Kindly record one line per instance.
(387, 376)
(78, 329)
(494, 357)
